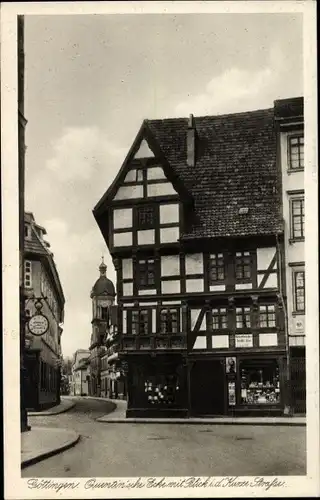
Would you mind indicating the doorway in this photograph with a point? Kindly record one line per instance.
(207, 388)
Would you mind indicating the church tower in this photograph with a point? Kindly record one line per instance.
(103, 297)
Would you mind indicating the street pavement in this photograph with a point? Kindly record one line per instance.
(117, 450)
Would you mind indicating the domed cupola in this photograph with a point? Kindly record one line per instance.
(103, 286)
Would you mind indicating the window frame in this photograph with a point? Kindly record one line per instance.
(150, 266)
(28, 273)
(243, 255)
(245, 311)
(222, 312)
(140, 226)
(169, 321)
(300, 216)
(215, 265)
(136, 315)
(295, 272)
(300, 143)
(268, 312)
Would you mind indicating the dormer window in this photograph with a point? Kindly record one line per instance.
(27, 231)
(145, 217)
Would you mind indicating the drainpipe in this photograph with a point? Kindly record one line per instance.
(287, 408)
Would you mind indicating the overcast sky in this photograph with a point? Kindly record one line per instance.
(91, 80)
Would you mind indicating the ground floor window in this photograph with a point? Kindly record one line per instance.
(260, 382)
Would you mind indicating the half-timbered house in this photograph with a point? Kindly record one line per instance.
(193, 223)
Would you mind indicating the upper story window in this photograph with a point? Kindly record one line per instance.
(297, 218)
(146, 217)
(104, 313)
(216, 268)
(296, 152)
(219, 318)
(267, 316)
(140, 322)
(243, 317)
(243, 266)
(169, 320)
(146, 273)
(299, 291)
(27, 274)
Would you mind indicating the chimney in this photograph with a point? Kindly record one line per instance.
(191, 142)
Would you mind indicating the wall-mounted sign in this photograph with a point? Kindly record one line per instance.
(299, 324)
(244, 340)
(232, 393)
(231, 365)
(38, 325)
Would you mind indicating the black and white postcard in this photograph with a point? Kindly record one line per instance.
(160, 250)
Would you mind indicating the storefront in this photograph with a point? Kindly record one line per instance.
(237, 384)
(157, 386)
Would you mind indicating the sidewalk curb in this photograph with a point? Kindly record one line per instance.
(50, 453)
(48, 413)
(193, 422)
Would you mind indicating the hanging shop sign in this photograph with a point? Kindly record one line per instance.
(244, 340)
(38, 324)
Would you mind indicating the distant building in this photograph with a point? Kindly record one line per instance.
(42, 286)
(103, 297)
(80, 373)
(290, 128)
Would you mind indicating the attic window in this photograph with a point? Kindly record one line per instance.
(243, 210)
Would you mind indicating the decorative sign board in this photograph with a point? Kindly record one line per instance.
(38, 325)
(244, 340)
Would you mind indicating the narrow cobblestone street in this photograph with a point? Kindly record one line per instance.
(122, 450)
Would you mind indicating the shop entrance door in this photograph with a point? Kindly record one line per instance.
(32, 381)
(207, 388)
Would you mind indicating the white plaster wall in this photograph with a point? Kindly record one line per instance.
(155, 173)
(243, 286)
(217, 288)
(297, 341)
(194, 263)
(154, 320)
(170, 286)
(297, 325)
(169, 213)
(124, 321)
(144, 151)
(163, 189)
(127, 269)
(170, 265)
(220, 341)
(129, 192)
(132, 176)
(194, 285)
(200, 343)
(194, 314)
(122, 218)
(169, 235)
(146, 237)
(127, 289)
(272, 281)
(152, 291)
(268, 339)
(122, 239)
(264, 258)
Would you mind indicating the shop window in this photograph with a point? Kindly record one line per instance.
(169, 320)
(146, 273)
(27, 274)
(146, 217)
(260, 382)
(267, 316)
(219, 318)
(162, 390)
(243, 266)
(216, 268)
(296, 152)
(243, 317)
(299, 291)
(140, 322)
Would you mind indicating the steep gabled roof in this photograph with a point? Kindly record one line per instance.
(144, 133)
(235, 169)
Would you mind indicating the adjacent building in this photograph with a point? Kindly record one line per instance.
(42, 289)
(103, 297)
(290, 129)
(194, 224)
(80, 373)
